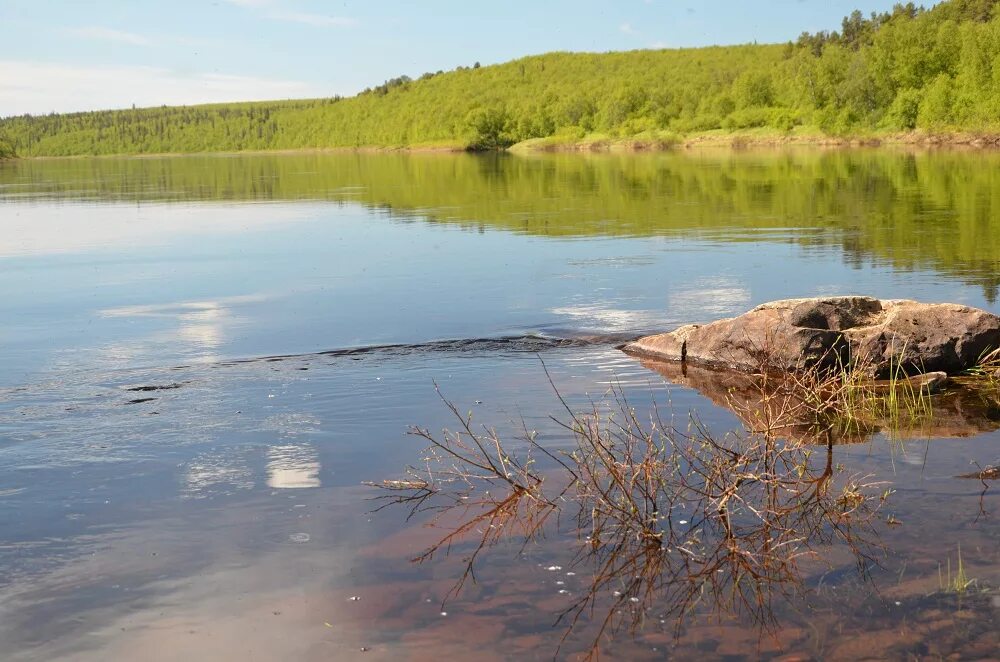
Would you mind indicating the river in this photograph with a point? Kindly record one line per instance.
(208, 357)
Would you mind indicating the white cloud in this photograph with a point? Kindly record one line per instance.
(316, 20)
(626, 28)
(306, 18)
(41, 87)
(108, 34)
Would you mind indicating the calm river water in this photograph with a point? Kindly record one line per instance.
(185, 427)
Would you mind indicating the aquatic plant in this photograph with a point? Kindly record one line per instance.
(899, 403)
(987, 368)
(957, 583)
(833, 395)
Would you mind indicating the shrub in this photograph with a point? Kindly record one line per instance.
(699, 123)
(493, 129)
(902, 114)
(754, 89)
(637, 125)
(836, 121)
(748, 118)
(936, 107)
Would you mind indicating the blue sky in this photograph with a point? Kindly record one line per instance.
(64, 56)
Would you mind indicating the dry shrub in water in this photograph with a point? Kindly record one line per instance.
(674, 519)
(468, 474)
(670, 519)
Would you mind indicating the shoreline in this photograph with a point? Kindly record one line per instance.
(364, 149)
(763, 139)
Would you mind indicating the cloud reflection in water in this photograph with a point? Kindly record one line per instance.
(292, 467)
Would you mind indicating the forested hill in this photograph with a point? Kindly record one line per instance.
(936, 70)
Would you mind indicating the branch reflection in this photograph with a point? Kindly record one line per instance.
(674, 522)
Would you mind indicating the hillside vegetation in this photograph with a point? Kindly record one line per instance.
(936, 70)
(6, 149)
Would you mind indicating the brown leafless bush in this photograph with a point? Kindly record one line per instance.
(672, 520)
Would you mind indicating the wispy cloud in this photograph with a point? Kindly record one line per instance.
(270, 10)
(636, 34)
(108, 34)
(316, 20)
(42, 87)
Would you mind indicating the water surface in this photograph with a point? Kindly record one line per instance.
(206, 357)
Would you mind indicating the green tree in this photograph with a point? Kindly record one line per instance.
(754, 90)
(6, 149)
(492, 128)
(902, 114)
(936, 107)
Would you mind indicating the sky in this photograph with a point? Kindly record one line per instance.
(96, 54)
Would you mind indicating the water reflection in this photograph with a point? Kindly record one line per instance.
(292, 467)
(604, 316)
(53, 229)
(217, 472)
(672, 525)
(912, 210)
(202, 326)
(742, 557)
(288, 466)
(961, 410)
(708, 298)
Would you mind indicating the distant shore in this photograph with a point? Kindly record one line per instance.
(597, 143)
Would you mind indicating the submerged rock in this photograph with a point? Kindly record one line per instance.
(989, 473)
(881, 336)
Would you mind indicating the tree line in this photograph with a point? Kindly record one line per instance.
(935, 69)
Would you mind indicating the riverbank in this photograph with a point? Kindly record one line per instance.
(763, 138)
(453, 148)
(755, 138)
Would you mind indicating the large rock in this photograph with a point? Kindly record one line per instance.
(883, 336)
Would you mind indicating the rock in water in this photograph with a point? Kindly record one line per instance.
(884, 336)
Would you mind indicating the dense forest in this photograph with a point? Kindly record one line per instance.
(936, 70)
